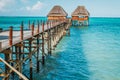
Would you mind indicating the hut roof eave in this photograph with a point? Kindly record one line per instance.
(55, 15)
(79, 15)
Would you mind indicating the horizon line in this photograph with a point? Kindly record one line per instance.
(69, 16)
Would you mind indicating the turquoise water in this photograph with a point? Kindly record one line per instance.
(6, 22)
(89, 53)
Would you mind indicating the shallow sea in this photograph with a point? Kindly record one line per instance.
(89, 53)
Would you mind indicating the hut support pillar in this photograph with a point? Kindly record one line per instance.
(48, 43)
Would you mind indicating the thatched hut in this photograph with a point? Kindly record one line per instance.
(57, 13)
(80, 16)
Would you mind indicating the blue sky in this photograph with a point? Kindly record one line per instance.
(99, 8)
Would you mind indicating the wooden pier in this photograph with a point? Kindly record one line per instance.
(33, 45)
(26, 46)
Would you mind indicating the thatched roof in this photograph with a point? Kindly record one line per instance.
(80, 11)
(57, 11)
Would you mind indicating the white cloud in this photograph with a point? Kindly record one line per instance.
(35, 7)
(1, 5)
(4, 4)
(24, 1)
(20, 7)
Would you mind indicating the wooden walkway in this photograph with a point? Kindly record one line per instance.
(20, 46)
(4, 36)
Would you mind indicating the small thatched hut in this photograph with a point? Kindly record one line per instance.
(80, 16)
(57, 13)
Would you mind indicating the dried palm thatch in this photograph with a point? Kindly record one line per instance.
(57, 11)
(80, 11)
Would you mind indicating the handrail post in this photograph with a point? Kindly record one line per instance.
(21, 31)
(38, 29)
(43, 27)
(32, 29)
(11, 36)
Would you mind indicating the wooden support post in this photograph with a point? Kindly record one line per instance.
(38, 64)
(38, 29)
(32, 29)
(55, 37)
(57, 34)
(21, 31)
(30, 53)
(17, 56)
(7, 57)
(20, 59)
(43, 56)
(51, 23)
(52, 39)
(68, 32)
(22, 47)
(23, 50)
(48, 36)
(18, 53)
(11, 36)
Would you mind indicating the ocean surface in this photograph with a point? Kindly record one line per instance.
(89, 53)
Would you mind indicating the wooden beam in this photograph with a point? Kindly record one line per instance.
(19, 45)
(3, 74)
(7, 51)
(22, 76)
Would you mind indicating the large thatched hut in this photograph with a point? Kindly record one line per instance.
(80, 16)
(57, 13)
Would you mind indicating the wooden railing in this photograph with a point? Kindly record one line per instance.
(22, 35)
